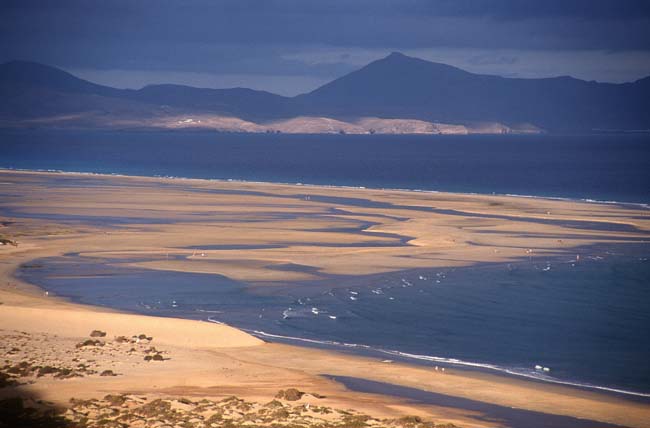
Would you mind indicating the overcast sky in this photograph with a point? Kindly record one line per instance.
(293, 46)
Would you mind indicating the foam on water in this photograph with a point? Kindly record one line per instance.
(521, 372)
(466, 321)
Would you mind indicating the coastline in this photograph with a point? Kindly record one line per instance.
(298, 366)
(373, 351)
(645, 205)
(451, 363)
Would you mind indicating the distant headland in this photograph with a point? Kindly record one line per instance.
(394, 95)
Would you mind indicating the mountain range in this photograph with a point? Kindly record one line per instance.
(396, 94)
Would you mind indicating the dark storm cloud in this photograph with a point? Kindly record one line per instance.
(268, 36)
(513, 9)
(344, 22)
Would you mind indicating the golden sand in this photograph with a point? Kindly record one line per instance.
(389, 231)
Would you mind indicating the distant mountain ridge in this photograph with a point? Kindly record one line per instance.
(396, 94)
(401, 86)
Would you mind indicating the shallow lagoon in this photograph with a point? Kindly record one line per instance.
(584, 320)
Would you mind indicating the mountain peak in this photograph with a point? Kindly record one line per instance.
(401, 62)
(396, 54)
(24, 70)
(45, 76)
(400, 58)
(396, 86)
(36, 73)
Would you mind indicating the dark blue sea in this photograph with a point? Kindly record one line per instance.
(602, 167)
(588, 322)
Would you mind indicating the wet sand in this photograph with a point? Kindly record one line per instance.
(248, 232)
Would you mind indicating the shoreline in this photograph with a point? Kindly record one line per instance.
(274, 349)
(645, 205)
(188, 130)
(406, 357)
(449, 362)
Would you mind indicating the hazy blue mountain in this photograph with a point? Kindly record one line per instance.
(402, 86)
(242, 102)
(31, 74)
(33, 90)
(39, 95)
(395, 87)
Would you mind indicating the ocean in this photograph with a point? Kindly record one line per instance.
(585, 321)
(600, 167)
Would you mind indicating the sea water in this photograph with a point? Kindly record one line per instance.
(601, 167)
(586, 320)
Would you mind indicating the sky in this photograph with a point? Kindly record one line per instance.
(293, 46)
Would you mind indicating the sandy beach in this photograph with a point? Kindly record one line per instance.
(153, 223)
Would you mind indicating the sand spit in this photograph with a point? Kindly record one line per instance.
(116, 366)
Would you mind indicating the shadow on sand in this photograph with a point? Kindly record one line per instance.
(502, 415)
